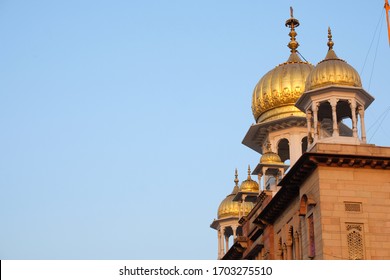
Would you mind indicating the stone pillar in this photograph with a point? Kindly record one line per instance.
(284, 251)
(281, 172)
(234, 228)
(220, 244)
(315, 120)
(297, 247)
(289, 245)
(242, 210)
(333, 103)
(362, 126)
(279, 253)
(264, 170)
(309, 115)
(259, 181)
(352, 104)
(295, 143)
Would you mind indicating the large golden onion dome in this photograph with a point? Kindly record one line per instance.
(230, 208)
(332, 71)
(277, 91)
(249, 185)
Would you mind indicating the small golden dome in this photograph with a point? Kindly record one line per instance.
(230, 208)
(270, 158)
(277, 91)
(332, 71)
(249, 185)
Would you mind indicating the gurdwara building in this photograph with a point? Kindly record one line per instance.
(322, 191)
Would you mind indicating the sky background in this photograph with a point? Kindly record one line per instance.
(121, 121)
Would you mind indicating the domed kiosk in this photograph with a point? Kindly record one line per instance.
(334, 94)
(229, 213)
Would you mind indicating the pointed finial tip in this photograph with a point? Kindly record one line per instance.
(292, 23)
(236, 177)
(249, 171)
(330, 42)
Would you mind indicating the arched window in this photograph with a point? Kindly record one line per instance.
(239, 231)
(345, 118)
(284, 149)
(303, 206)
(304, 144)
(325, 119)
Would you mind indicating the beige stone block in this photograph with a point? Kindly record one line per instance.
(331, 221)
(339, 207)
(381, 254)
(326, 213)
(328, 198)
(334, 251)
(326, 235)
(380, 194)
(379, 245)
(327, 206)
(331, 243)
(350, 193)
(371, 176)
(378, 229)
(387, 221)
(331, 192)
(332, 175)
(380, 216)
(331, 228)
(363, 193)
(336, 236)
(378, 208)
(355, 186)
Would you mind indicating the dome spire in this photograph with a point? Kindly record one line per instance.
(249, 172)
(292, 23)
(331, 53)
(330, 42)
(236, 187)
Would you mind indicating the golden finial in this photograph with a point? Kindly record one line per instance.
(236, 187)
(236, 177)
(330, 42)
(249, 172)
(292, 23)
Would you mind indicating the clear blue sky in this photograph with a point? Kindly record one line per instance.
(121, 121)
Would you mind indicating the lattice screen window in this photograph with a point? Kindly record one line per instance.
(353, 206)
(355, 241)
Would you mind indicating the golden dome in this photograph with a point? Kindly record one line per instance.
(249, 185)
(332, 71)
(277, 91)
(230, 208)
(270, 158)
